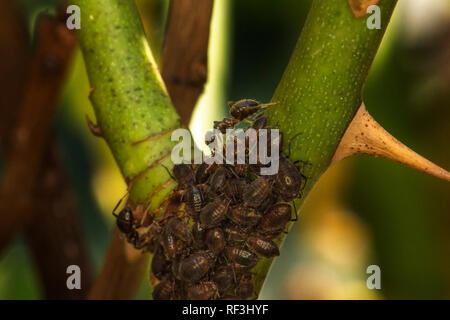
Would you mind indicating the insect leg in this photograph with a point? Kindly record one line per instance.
(295, 210)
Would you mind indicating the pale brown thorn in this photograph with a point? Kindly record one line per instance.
(94, 128)
(359, 7)
(365, 136)
(91, 92)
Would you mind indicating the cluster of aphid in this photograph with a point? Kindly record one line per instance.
(230, 219)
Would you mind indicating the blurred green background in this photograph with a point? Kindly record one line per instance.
(364, 210)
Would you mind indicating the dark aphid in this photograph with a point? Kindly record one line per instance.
(275, 219)
(243, 108)
(171, 245)
(195, 266)
(125, 220)
(234, 188)
(204, 290)
(153, 245)
(226, 123)
(160, 266)
(244, 216)
(218, 179)
(289, 180)
(256, 192)
(262, 246)
(179, 229)
(215, 240)
(241, 256)
(245, 286)
(246, 107)
(214, 213)
(193, 198)
(184, 174)
(223, 277)
(206, 191)
(234, 233)
(164, 290)
(198, 232)
(268, 202)
(259, 123)
(203, 172)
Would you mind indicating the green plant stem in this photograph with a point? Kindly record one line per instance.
(320, 90)
(128, 95)
(131, 104)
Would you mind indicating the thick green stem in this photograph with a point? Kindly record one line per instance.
(320, 90)
(128, 95)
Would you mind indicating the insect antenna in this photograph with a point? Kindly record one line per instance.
(118, 204)
(290, 141)
(168, 171)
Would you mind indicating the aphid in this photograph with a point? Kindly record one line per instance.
(193, 198)
(241, 256)
(256, 192)
(172, 246)
(244, 216)
(204, 290)
(226, 123)
(245, 286)
(195, 266)
(160, 265)
(246, 107)
(215, 240)
(179, 229)
(234, 188)
(268, 202)
(223, 277)
(289, 180)
(164, 290)
(275, 219)
(262, 246)
(203, 172)
(214, 213)
(234, 233)
(218, 179)
(124, 220)
(259, 123)
(184, 174)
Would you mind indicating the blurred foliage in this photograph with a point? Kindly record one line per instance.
(363, 211)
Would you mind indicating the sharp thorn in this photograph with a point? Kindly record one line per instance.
(365, 136)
